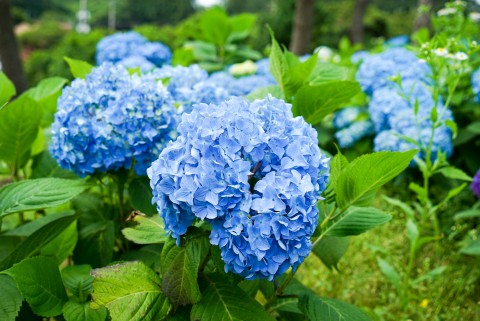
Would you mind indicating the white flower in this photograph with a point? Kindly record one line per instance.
(446, 11)
(461, 56)
(245, 68)
(475, 16)
(324, 53)
(441, 52)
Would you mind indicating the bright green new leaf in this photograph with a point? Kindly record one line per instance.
(148, 230)
(317, 101)
(130, 291)
(359, 182)
(263, 92)
(215, 26)
(37, 240)
(390, 273)
(242, 25)
(325, 309)
(74, 311)
(180, 270)
(141, 196)
(35, 194)
(78, 281)
(78, 68)
(19, 124)
(338, 164)
(10, 299)
(412, 231)
(467, 214)
(223, 300)
(7, 89)
(356, 220)
(39, 281)
(324, 72)
(46, 88)
(454, 173)
(330, 250)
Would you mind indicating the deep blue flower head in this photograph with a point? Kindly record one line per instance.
(118, 46)
(190, 85)
(254, 172)
(476, 84)
(398, 41)
(133, 62)
(347, 136)
(475, 186)
(376, 71)
(121, 46)
(110, 119)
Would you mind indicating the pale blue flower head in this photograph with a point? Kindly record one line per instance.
(118, 46)
(476, 84)
(112, 120)
(254, 172)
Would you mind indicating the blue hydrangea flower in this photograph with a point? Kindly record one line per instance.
(398, 41)
(133, 62)
(359, 56)
(120, 46)
(476, 84)
(347, 136)
(376, 71)
(240, 86)
(191, 85)
(475, 186)
(111, 120)
(251, 170)
(346, 116)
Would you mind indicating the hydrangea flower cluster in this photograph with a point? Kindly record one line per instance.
(352, 125)
(129, 48)
(111, 120)
(475, 186)
(241, 86)
(251, 170)
(376, 71)
(190, 85)
(476, 84)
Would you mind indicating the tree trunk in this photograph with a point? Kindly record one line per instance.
(357, 29)
(9, 54)
(302, 27)
(423, 15)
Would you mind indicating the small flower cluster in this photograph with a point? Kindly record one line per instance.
(251, 170)
(111, 120)
(352, 125)
(476, 84)
(475, 186)
(132, 50)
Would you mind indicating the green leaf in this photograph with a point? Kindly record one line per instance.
(454, 173)
(130, 291)
(359, 182)
(149, 254)
(222, 300)
(242, 25)
(33, 226)
(39, 281)
(95, 244)
(317, 101)
(19, 124)
(330, 250)
(78, 68)
(215, 26)
(180, 270)
(402, 205)
(324, 72)
(10, 298)
(46, 88)
(325, 309)
(338, 164)
(412, 231)
(36, 241)
(263, 92)
(74, 311)
(45, 166)
(35, 194)
(430, 275)
(7, 89)
(467, 214)
(148, 230)
(390, 273)
(62, 246)
(78, 281)
(141, 195)
(473, 248)
(356, 220)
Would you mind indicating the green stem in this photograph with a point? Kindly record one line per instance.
(406, 281)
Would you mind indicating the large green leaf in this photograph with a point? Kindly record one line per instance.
(78, 281)
(222, 301)
(74, 311)
(39, 281)
(454, 173)
(46, 88)
(78, 68)
(141, 195)
(35, 194)
(33, 226)
(241, 25)
(62, 246)
(95, 244)
(36, 241)
(215, 26)
(45, 166)
(356, 220)
(361, 179)
(130, 291)
(19, 124)
(327, 72)
(148, 230)
(7, 89)
(314, 102)
(180, 270)
(330, 250)
(10, 299)
(325, 309)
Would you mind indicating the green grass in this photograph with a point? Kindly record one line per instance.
(454, 295)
